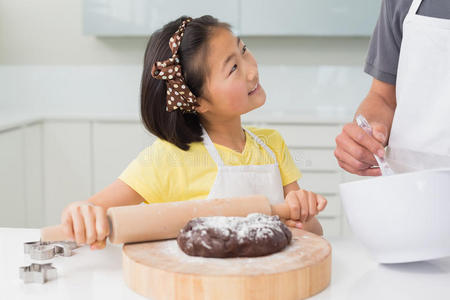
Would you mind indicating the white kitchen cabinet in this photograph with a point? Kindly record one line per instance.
(48, 164)
(12, 183)
(314, 159)
(331, 226)
(115, 145)
(67, 166)
(308, 136)
(33, 159)
(309, 17)
(320, 182)
(143, 17)
(333, 208)
(312, 148)
(248, 17)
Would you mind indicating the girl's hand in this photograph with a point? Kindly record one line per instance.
(303, 205)
(86, 223)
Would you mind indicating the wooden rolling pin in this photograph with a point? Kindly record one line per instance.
(159, 221)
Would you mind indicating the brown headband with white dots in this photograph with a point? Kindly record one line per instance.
(178, 94)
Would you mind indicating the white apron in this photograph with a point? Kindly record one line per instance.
(422, 118)
(245, 180)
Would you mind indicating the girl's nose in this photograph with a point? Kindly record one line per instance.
(252, 72)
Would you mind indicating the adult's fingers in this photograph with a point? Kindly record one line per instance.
(358, 135)
(346, 143)
(379, 132)
(367, 172)
(341, 155)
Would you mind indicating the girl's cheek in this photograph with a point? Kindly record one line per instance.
(239, 87)
(238, 95)
(232, 95)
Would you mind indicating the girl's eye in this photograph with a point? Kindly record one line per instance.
(244, 49)
(233, 68)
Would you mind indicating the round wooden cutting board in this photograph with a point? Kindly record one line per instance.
(160, 270)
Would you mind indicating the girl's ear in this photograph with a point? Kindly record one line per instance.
(203, 105)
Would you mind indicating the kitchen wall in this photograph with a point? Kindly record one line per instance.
(49, 68)
(47, 64)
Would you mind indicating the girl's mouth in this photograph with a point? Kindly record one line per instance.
(256, 88)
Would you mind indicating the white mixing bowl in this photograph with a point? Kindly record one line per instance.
(403, 217)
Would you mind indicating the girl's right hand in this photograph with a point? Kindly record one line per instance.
(86, 223)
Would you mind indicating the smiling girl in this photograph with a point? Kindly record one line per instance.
(198, 79)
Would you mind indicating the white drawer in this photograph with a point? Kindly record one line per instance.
(331, 226)
(110, 155)
(333, 208)
(314, 159)
(308, 135)
(320, 182)
(347, 177)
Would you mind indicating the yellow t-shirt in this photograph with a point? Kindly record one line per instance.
(164, 173)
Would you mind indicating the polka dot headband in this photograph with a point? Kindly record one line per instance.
(178, 94)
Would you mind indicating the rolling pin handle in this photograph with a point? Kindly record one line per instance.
(53, 234)
(56, 234)
(282, 210)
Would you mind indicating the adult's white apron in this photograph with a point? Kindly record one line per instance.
(245, 180)
(422, 117)
(420, 135)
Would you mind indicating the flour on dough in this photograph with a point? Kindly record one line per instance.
(254, 235)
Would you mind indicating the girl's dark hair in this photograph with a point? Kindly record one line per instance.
(176, 127)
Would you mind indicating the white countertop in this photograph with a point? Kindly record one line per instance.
(98, 274)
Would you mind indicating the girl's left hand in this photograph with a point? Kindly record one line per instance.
(303, 206)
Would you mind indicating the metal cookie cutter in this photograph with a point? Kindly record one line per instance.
(39, 273)
(47, 250)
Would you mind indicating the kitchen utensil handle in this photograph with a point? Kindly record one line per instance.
(137, 223)
(384, 166)
(53, 234)
(56, 233)
(282, 210)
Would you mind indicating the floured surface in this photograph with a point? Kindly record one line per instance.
(306, 249)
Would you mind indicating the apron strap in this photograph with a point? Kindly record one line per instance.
(211, 149)
(209, 145)
(260, 142)
(414, 7)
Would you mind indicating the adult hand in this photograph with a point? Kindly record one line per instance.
(355, 148)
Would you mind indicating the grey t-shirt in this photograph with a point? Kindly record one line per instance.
(384, 48)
